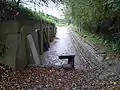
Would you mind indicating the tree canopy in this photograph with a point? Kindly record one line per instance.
(89, 12)
(10, 10)
(96, 16)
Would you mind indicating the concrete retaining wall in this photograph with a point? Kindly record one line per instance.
(14, 33)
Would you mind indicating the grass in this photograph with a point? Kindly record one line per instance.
(61, 25)
(109, 46)
(11, 9)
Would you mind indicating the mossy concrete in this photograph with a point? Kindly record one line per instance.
(14, 34)
(10, 55)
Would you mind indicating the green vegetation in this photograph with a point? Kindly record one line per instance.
(61, 23)
(101, 18)
(88, 13)
(110, 46)
(10, 11)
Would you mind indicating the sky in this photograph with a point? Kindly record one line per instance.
(52, 9)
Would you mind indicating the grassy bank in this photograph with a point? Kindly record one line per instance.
(10, 11)
(110, 46)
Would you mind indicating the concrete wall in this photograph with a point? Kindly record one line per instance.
(40, 38)
(14, 33)
(14, 42)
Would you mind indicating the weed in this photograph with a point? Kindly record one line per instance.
(110, 46)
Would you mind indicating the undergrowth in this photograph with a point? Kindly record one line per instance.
(110, 46)
(9, 11)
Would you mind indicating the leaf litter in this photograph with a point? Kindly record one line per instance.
(35, 78)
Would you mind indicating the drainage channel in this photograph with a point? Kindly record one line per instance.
(68, 66)
(80, 51)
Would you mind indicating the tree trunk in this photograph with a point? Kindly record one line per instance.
(18, 2)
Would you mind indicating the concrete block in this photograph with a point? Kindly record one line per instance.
(10, 55)
(33, 50)
(21, 57)
(36, 40)
(50, 34)
(70, 59)
(9, 27)
(40, 41)
(45, 38)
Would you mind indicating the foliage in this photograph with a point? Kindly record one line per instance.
(99, 17)
(28, 13)
(10, 11)
(88, 13)
(110, 46)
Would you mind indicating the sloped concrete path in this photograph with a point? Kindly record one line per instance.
(66, 43)
(62, 45)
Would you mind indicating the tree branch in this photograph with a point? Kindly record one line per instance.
(18, 2)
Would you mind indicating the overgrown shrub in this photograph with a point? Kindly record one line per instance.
(101, 17)
(10, 11)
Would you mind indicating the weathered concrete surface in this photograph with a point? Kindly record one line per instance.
(10, 55)
(21, 57)
(62, 45)
(8, 27)
(33, 49)
(8, 34)
(68, 43)
(14, 33)
(40, 41)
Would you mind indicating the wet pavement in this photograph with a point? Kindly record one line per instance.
(62, 45)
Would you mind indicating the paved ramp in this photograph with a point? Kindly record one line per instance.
(62, 45)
